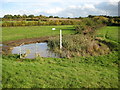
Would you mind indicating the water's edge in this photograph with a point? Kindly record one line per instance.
(34, 50)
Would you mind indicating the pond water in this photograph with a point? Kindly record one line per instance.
(31, 49)
(1, 48)
(1, 45)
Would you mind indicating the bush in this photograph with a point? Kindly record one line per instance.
(79, 29)
(88, 26)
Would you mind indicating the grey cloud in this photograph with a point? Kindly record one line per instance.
(111, 9)
(100, 9)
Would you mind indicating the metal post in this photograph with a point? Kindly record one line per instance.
(60, 39)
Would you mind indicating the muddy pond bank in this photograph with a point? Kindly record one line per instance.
(7, 46)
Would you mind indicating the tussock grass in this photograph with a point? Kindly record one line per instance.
(78, 45)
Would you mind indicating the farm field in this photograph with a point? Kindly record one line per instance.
(109, 32)
(40, 31)
(15, 33)
(77, 72)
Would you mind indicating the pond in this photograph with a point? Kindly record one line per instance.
(1, 45)
(1, 48)
(34, 49)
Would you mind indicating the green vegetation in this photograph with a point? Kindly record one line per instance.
(109, 32)
(39, 23)
(89, 25)
(83, 43)
(21, 20)
(78, 72)
(87, 45)
(15, 33)
(78, 45)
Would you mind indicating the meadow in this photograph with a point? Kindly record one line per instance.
(77, 72)
(15, 33)
(109, 32)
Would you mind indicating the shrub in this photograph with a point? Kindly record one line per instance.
(88, 26)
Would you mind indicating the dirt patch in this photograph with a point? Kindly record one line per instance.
(8, 46)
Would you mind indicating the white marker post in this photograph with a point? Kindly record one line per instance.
(36, 50)
(20, 52)
(60, 39)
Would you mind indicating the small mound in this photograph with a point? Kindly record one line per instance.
(78, 45)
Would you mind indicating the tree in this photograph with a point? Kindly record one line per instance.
(68, 17)
(31, 16)
(18, 16)
(8, 16)
(56, 17)
(24, 16)
(90, 16)
(50, 16)
(80, 17)
(15, 17)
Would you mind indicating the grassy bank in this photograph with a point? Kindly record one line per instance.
(109, 32)
(15, 33)
(92, 72)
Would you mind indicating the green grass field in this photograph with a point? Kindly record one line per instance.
(15, 33)
(92, 72)
(77, 72)
(109, 32)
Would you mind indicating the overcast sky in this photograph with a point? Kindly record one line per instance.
(62, 8)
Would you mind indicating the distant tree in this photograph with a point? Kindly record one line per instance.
(76, 17)
(15, 17)
(68, 17)
(90, 16)
(31, 16)
(24, 16)
(8, 16)
(79, 17)
(19, 16)
(50, 16)
(40, 15)
(56, 17)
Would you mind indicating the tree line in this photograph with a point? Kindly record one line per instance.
(31, 20)
(13, 17)
(40, 23)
